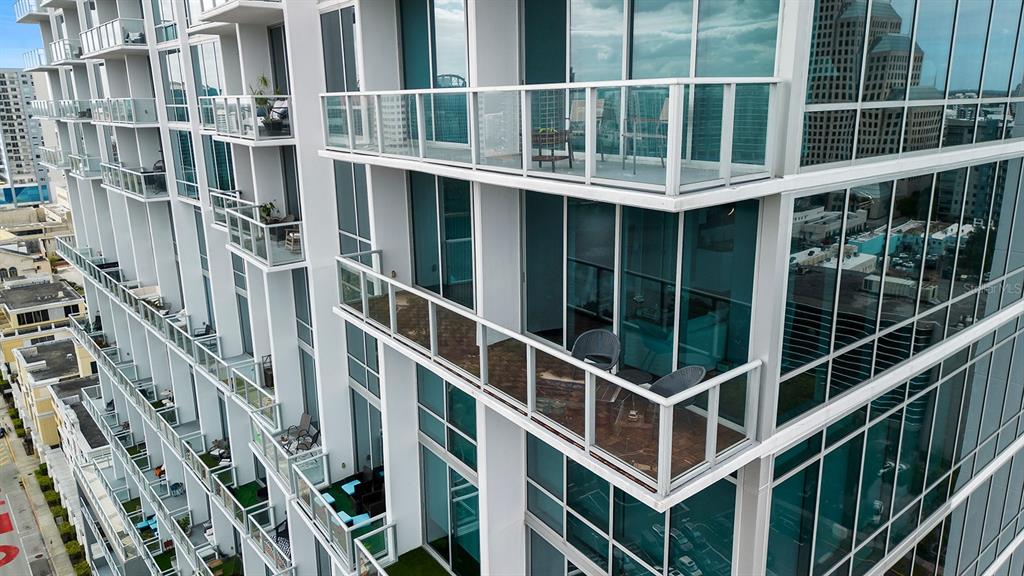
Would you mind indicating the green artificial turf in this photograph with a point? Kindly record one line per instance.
(416, 562)
(210, 460)
(246, 494)
(165, 559)
(342, 501)
(132, 505)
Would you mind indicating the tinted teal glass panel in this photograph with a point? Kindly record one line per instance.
(587, 494)
(586, 540)
(701, 529)
(969, 48)
(544, 465)
(802, 392)
(661, 38)
(414, 20)
(649, 248)
(595, 40)
(878, 476)
(430, 390)
(797, 455)
(845, 426)
(837, 507)
(591, 267)
(450, 43)
(737, 37)
(462, 411)
(837, 48)
(717, 285)
(543, 507)
(465, 524)
(544, 25)
(1002, 38)
(462, 449)
(426, 252)
(792, 523)
(934, 37)
(458, 241)
(435, 502)
(639, 529)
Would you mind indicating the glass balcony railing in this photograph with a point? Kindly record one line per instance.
(54, 158)
(273, 243)
(74, 109)
(64, 50)
(43, 108)
(223, 200)
(659, 442)
(125, 110)
(375, 550)
(249, 117)
(36, 58)
(117, 33)
(262, 523)
(311, 479)
(663, 135)
(278, 454)
(208, 5)
(199, 345)
(29, 11)
(137, 182)
(85, 166)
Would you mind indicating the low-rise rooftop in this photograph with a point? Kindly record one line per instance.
(34, 293)
(70, 392)
(58, 360)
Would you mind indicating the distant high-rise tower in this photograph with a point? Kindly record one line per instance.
(24, 179)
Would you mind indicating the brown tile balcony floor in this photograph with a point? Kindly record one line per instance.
(626, 423)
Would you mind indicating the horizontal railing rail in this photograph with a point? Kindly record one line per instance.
(375, 550)
(23, 8)
(276, 243)
(115, 33)
(660, 442)
(36, 58)
(125, 110)
(665, 135)
(222, 200)
(74, 109)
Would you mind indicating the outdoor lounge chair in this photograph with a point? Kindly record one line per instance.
(683, 379)
(597, 347)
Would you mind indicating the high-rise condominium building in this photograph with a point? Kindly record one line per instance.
(23, 178)
(667, 287)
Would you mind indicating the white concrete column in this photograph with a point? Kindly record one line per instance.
(401, 447)
(501, 469)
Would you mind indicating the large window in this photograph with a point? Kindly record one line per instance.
(442, 226)
(206, 67)
(907, 51)
(447, 416)
(734, 38)
(880, 272)
(434, 43)
(352, 202)
(220, 170)
(184, 164)
(337, 29)
(451, 514)
(617, 533)
(175, 96)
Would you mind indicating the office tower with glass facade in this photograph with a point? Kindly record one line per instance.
(668, 287)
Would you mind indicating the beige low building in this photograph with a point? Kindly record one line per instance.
(32, 309)
(43, 375)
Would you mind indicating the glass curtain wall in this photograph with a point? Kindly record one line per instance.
(175, 94)
(337, 30)
(442, 227)
(451, 512)
(206, 67)
(220, 168)
(184, 164)
(352, 200)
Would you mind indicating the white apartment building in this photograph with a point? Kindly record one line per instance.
(676, 287)
(25, 179)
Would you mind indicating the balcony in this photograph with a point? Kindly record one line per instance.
(65, 51)
(43, 108)
(36, 60)
(241, 11)
(341, 517)
(85, 166)
(376, 550)
(255, 119)
(57, 3)
(133, 112)
(270, 243)
(117, 37)
(74, 110)
(54, 158)
(29, 11)
(658, 442)
(279, 451)
(136, 182)
(664, 136)
(221, 201)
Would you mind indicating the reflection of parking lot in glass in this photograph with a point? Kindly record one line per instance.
(703, 547)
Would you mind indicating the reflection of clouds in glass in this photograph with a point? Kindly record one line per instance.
(737, 37)
(450, 42)
(596, 39)
(661, 38)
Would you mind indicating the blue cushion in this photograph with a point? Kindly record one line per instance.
(357, 520)
(350, 488)
(344, 516)
(328, 498)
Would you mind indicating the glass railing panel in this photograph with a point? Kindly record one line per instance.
(378, 302)
(335, 109)
(499, 129)
(636, 149)
(732, 413)
(413, 318)
(398, 120)
(446, 126)
(117, 32)
(36, 58)
(506, 365)
(689, 434)
(554, 146)
(375, 549)
(23, 8)
(350, 289)
(252, 117)
(457, 341)
(626, 426)
(363, 114)
(85, 166)
(560, 392)
(65, 49)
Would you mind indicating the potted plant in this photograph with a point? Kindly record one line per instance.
(185, 523)
(267, 211)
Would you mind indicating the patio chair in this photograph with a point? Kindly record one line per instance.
(308, 441)
(295, 432)
(598, 347)
(683, 379)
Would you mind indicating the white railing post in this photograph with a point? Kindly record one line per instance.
(526, 115)
(377, 126)
(711, 446)
(531, 380)
(674, 145)
(589, 133)
(725, 149)
(589, 407)
(421, 125)
(474, 143)
(665, 416)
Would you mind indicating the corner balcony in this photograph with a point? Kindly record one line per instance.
(139, 183)
(665, 136)
(57, 3)
(37, 60)
(339, 509)
(221, 201)
(241, 11)
(118, 37)
(85, 167)
(251, 120)
(280, 448)
(74, 110)
(26, 11)
(65, 51)
(375, 551)
(642, 438)
(54, 158)
(269, 241)
(129, 112)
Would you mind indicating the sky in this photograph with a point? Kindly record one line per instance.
(15, 39)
